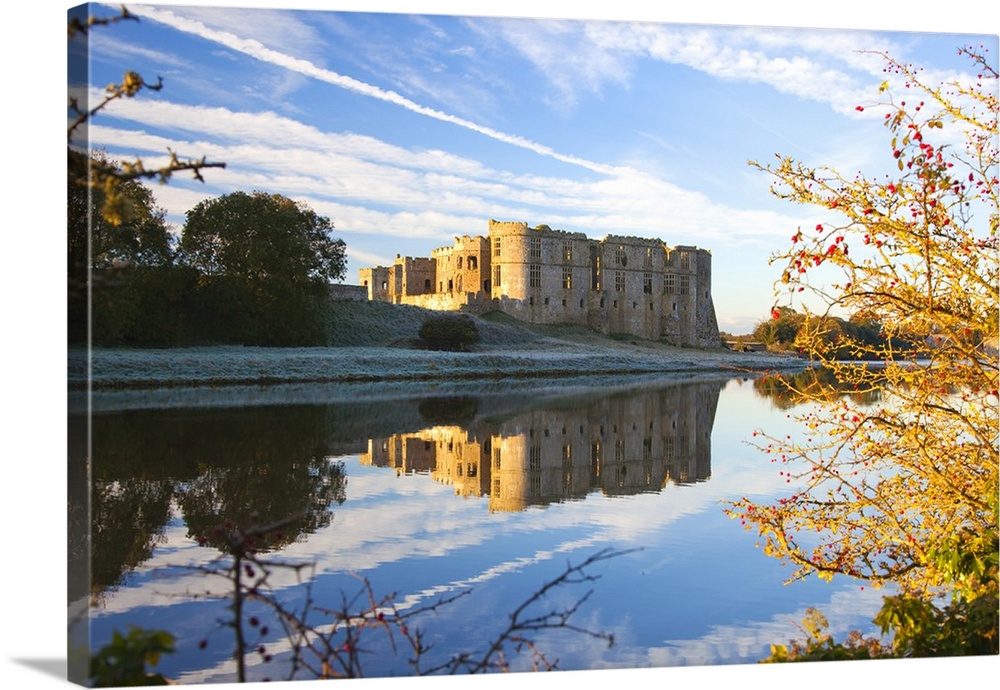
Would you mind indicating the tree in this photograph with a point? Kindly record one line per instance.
(260, 237)
(140, 238)
(266, 262)
(904, 492)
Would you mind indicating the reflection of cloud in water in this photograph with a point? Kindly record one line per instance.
(363, 540)
(729, 642)
(391, 520)
(748, 642)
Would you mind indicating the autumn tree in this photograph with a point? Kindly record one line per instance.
(903, 492)
(266, 263)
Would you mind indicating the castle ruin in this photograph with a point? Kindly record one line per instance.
(616, 286)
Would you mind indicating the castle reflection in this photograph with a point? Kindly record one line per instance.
(618, 444)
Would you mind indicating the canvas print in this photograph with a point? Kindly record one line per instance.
(419, 344)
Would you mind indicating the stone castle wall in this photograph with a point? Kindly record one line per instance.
(618, 446)
(619, 285)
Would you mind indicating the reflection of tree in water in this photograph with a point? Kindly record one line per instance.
(128, 518)
(249, 465)
(788, 390)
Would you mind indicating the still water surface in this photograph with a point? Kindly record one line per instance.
(430, 493)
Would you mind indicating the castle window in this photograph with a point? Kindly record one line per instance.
(685, 287)
(496, 275)
(620, 281)
(564, 303)
(685, 261)
(649, 257)
(458, 263)
(472, 263)
(534, 275)
(647, 283)
(567, 251)
(427, 285)
(669, 283)
(536, 248)
(451, 286)
(546, 301)
(496, 246)
(567, 278)
(620, 258)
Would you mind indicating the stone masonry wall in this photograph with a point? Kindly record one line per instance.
(617, 285)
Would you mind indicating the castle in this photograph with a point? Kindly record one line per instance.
(617, 286)
(618, 445)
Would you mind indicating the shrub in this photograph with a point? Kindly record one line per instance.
(455, 332)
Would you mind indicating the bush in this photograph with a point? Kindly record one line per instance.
(455, 332)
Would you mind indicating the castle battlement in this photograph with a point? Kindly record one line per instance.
(617, 285)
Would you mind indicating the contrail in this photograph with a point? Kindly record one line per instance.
(257, 50)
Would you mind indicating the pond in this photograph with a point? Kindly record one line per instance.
(481, 494)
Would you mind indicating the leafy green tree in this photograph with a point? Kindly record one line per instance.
(266, 262)
(142, 240)
(121, 269)
(259, 237)
(903, 493)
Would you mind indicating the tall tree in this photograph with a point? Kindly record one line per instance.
(106, 262)
(141, 238)
(261, 237)
(904, 492)
(267, 262)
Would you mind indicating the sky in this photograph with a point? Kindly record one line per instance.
(407, 130)
(687, 148)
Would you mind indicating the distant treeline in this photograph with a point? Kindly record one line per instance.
(856, 337)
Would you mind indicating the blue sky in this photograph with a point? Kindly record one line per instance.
(409, 129)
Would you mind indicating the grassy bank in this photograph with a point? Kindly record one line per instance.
(374, 342)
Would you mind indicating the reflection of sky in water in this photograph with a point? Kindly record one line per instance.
(696, 590)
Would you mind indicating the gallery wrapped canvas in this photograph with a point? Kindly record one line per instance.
(409, 344)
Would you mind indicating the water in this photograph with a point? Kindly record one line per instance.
(430, 494)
